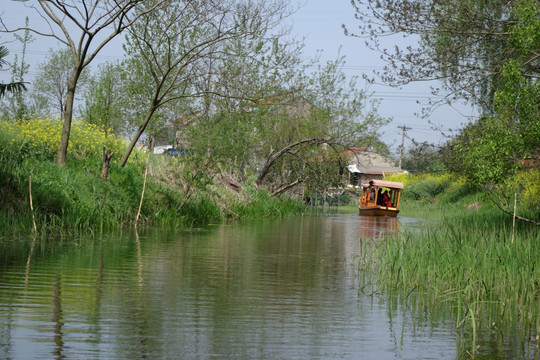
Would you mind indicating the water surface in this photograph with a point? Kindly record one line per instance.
(275, 289)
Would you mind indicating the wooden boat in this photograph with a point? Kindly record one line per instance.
(380, 198)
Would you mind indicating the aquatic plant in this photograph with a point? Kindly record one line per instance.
(470, 260)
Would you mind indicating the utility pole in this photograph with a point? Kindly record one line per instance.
(403, 129)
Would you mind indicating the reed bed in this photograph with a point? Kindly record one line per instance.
(477, 263)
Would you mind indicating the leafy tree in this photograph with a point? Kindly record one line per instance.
(85, 27)
(105, 102)
(500, 144)
(486, 52)
(105, 105)
(50, 86)
(284, 137)
(173, 48)
(250, 80)
(342, 117)
(16, 103)
(423, 158)
(462, 43)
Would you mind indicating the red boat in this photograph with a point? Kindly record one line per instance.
(380, 198)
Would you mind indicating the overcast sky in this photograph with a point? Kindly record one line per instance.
(319, 22)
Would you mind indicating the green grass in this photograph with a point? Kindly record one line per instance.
(473, 260)
(75, 198)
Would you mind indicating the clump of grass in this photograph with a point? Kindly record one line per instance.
(261, 205)
(471, 261)
(65, 197)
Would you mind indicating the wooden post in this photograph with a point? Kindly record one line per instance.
(106, 162)
(31, 205)
(142, 196)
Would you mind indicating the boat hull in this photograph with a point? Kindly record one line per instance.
(378, 211)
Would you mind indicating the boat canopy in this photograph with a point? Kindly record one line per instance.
(382, 183)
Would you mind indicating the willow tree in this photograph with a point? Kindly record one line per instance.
(85, 27)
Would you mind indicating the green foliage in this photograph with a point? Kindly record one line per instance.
(530, 185)
(15, 103)
(104, 99)
(50, 85)
(444, 188)
(494, 149)
(486, 152)
(427, 189)
(261, 205)
(179, 190)
(422, 158)
(201, 211)
(64, 197)
(524, 188)
(486, 52)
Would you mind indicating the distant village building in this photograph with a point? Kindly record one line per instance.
(364, 165)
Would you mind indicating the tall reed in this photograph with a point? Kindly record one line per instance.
(470, 260)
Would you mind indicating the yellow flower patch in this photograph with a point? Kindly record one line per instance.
(40, 138)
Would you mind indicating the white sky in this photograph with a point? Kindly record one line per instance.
(319, 22)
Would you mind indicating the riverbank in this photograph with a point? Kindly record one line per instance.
(75, 198)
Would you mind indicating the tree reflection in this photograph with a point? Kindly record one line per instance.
(58, 318)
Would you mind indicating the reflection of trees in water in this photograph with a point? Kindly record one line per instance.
(28, 261)
(6, 327)
(57, 318)
(230, 290)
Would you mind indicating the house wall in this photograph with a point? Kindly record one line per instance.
(356, 179)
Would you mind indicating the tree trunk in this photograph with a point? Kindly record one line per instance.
(286, 187)
(106, 162)
(68, 116)
(275, 156)
(139, 133)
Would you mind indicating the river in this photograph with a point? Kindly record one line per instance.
(272, 289)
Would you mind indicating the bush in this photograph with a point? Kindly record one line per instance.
(426, 187)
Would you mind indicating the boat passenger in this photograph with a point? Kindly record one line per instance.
(380, 200)
(372, 194)
(386, 200)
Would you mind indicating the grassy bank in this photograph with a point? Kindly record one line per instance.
(76, 198)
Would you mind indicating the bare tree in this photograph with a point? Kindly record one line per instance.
(85, 27)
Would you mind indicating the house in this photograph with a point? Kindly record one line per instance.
(365, 165)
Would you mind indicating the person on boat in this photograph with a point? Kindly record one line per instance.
(386, 200)
(380, 200)
(372, 194)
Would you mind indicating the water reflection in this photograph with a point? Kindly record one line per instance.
(272, 289)
(57, 318)
(373, 227)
